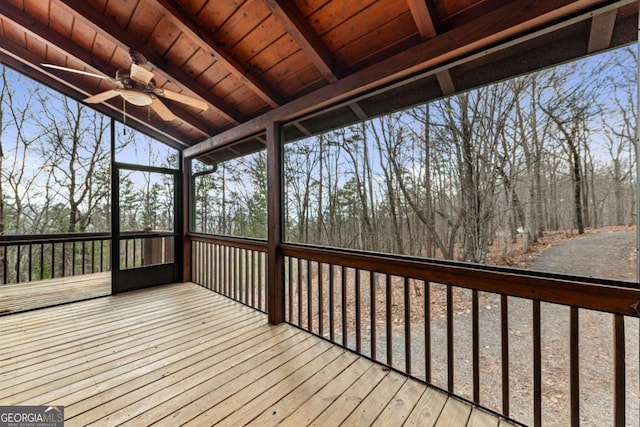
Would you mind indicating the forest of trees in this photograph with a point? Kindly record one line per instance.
(232, 199)
(551, 150)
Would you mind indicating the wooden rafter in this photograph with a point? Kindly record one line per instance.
(446, 82)
(304, 36)
(424, 16)
(205, 40)
(301, 128)
(358, 111)
(601, 31)
(53, 39)
(108, 28)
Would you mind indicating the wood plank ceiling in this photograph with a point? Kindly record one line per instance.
(253, 59)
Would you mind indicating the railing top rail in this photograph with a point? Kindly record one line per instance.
(602, 295)
(7, 240)
(241, 242)
(147, 234)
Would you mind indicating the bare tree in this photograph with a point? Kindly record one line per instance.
(75, 148)
(474, 123)
(620, 124)
(18, 173)
(301, 163)
(570, 113)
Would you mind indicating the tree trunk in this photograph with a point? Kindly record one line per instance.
(429, 212)
(576, 175)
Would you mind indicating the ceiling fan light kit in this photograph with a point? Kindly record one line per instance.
(140, 99)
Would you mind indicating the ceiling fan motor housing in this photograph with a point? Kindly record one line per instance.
(124, 77)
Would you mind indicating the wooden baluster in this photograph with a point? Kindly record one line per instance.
(537, 366)
(320, 301)
(450, 354)
(574, 376)
(427, 331)
(332, 308)
(358, 313)
(504, 326)
(475, 326)
(343, 295)
(389, 318)
(407, 327)
(619, 351)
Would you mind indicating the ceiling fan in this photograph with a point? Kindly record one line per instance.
(138, 87)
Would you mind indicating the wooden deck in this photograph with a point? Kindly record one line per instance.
(183, 355)
(45, 293)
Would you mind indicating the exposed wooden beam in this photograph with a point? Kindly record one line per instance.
(424, 15)
(311, 44)
(601, 31)
(53, 39)
(205, 40)
(358, 111)
(515, 21)
(108, 28)
(446, 82)
(301, 32)
(25, 61)
(302, 129)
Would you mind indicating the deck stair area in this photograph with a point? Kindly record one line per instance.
(183, 355)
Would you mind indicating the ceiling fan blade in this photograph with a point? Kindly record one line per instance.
(178, 97)
(162, 110)
(140, 74)
(103, 96)
(72, 70)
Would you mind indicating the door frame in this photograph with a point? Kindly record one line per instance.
(123, 280)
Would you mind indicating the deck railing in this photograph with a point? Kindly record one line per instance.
(149, 247)
(541, 349)
(536, 348)
(232, 267)
(37, 257)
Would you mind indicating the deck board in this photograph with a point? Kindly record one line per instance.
(320, 401)
(49, 292)
(289, 400)
(183, 355)
(428, 409)
(371, 406)
(399, 408)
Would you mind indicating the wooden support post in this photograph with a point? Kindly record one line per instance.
(275, 259)
(186, 219)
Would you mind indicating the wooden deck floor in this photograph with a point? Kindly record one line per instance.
(45, 293)
(182, 355)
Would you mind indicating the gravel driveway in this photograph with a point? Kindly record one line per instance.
(608, 255)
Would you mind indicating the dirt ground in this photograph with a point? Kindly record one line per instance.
(558, 252)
